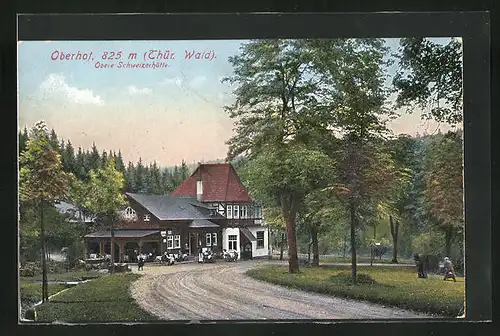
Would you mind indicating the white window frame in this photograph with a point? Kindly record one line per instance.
(263, 240)
(177, 241)
(129, 212)
(214, 239)
(229, 211)
(170, 241)
(236, 211)
(147, 217)
(208, 239)
(232, 239)
(244, 212)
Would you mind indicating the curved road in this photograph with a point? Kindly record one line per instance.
(222, 291)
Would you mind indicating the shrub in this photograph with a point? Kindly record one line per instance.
(346, 278)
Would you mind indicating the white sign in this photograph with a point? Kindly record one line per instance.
(163, 233)
(164, 240)
(169, 232)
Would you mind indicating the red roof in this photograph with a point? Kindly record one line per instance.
(220, 183)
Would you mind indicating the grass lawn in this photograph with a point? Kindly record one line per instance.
(363, 260)
(106, 299)
(394, 286)
(65, 276)
(31, 292)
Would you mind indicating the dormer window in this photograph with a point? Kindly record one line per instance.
(129, 213)
(147, 217)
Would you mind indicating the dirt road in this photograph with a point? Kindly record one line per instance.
(222, 291)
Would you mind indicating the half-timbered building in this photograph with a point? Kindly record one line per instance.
(211, 208)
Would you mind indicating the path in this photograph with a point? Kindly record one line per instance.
(222, 291)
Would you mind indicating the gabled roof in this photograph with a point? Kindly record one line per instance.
(220, 183)
(72, 211)
(166, 207)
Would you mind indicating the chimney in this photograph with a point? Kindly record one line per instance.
(199, 186)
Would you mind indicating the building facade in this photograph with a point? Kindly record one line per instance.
(211, 208)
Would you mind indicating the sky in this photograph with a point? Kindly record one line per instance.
(166, 114)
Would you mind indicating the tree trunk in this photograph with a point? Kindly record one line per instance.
(315, 247)
(374, 232)
(112, 248)
(289, 213)
(45, 289)
(448, 240)
(394, 234)
(353, 244)
(282, 246)
(293, 260)
(345, 244)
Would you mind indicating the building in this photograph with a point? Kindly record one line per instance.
(211, 208)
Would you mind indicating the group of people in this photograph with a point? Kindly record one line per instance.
(449, 272)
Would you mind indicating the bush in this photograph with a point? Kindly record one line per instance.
(345, 277)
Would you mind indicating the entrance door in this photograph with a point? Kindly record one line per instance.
(193, 244)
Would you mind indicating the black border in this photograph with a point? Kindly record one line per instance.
(473, 27)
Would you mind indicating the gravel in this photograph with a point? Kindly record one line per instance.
(222, 291)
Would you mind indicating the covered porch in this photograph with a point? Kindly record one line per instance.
(126, 243)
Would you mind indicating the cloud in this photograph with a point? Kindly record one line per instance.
(197, 81)
(133, 90)
(176, 80)
(55, 84)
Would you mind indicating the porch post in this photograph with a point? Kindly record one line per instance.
(140, 246)
(101, 248)
(121, 247)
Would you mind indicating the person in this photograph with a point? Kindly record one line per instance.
(140, 264)
(420, 266)
(449, 272)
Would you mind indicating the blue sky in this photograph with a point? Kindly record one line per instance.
(164, 114)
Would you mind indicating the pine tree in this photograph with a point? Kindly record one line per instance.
(140, 183)
(23, 139)
(68, 159)
(104, 158)
(166, 181)
(94, 158)
(80, 168)
(184, 171)
(53, 140)
(120, 166)
(130, 184)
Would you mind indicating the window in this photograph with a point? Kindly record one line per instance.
(233, 242)
(170, 242)
(260, 239)
(258, 212)
(147, 217)
(229, 211)
(244, 211)
(236, 211)
(129, 212)
(177, 241)
(214, 239)
(208, 239)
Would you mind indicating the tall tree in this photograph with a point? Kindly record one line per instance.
(444, 185)
(430, 77)
(274, 87)
(106, 196)
(120, 166)
(351, 100)
(130, 178)
(43, 181)
(23, 140)
(283, 179)
(94, 158)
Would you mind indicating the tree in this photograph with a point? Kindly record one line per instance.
(273, 90)
(94, 158)
(430, 77)
(105, 197)
(284, 178)
(43, 181)
(351, 101)
(319, 214)
(23, 139)
(444, 185)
